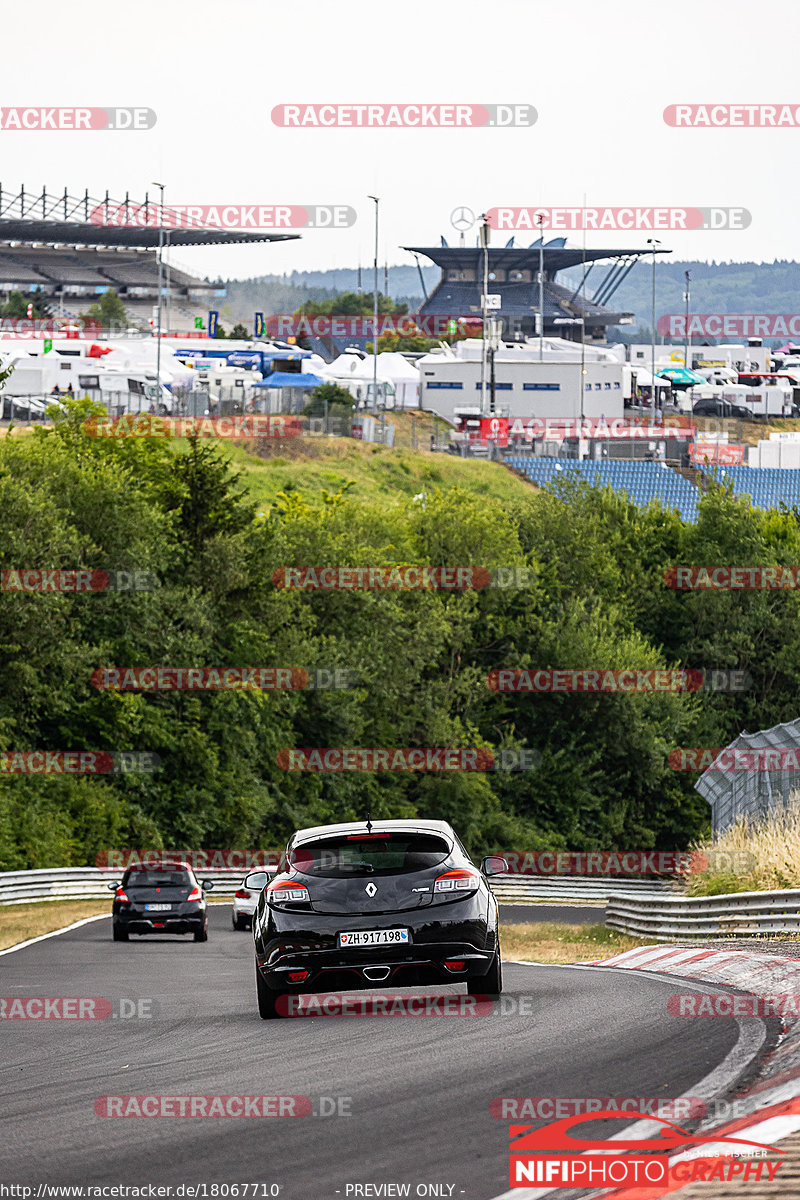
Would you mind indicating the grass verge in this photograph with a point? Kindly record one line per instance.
(548, 942)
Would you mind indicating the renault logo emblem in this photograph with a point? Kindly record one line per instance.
(370, 889)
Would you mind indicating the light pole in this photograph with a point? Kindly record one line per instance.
(540, 221)
(484, 241)
(375, 315)
(686, 363)
(653, 242)
(160, 244)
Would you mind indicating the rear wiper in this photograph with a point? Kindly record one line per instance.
(361, 866)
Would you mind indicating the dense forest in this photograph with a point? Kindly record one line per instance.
(417, 661)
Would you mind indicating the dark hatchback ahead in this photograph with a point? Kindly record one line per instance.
(166, 900)
(389, 902)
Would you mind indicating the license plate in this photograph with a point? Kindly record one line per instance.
(158, 907)
(374, 937)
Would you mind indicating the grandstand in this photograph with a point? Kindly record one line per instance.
(768, 487)
(513, 276)
(50, 245)
(642, 481)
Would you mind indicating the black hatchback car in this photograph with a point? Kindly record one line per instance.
(168, 899)
(383, 902)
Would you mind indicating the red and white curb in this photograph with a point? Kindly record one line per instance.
(775, 1097)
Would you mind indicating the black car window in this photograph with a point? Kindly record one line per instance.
(152, 879)
(355, 855)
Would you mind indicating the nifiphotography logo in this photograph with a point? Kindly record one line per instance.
(555, 1157)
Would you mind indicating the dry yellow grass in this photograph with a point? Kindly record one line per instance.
(18, 922)
(754, 857)
(545, 941)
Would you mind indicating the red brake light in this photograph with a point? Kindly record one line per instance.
(195, 894)
(285, 889)
(455, 964)
(297, 976)
(242, 894)
(459, 879)
(119, 894)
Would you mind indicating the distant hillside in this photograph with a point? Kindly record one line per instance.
(746, 287)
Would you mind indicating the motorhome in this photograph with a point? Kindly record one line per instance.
(766, 400)
(46, 376)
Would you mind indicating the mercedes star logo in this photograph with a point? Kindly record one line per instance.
(462, 218)
(370, 889)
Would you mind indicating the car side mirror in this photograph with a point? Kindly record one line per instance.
(494, 865)
(112, 887)
(207, 885)
(256, 881)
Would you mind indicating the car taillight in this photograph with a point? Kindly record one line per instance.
(298, 976)
(284, 890)
(460, 879)
(119, 894)
(455, 964)
(195, 894)
(242, 894)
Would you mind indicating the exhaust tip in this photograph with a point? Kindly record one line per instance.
(376, 974)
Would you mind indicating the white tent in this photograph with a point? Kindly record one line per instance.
(400, 379)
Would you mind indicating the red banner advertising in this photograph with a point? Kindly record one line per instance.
(716, 452)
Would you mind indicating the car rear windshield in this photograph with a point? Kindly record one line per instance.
(152, 879)
(353, 855)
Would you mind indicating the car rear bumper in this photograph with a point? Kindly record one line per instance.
(160, 922)
(434, 940)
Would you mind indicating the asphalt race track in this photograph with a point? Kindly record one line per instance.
(419, 1089)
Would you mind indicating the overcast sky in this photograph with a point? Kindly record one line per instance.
(599, 76)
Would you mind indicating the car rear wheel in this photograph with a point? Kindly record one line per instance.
(119, 934)
(201, 935)
(239, 922)
(267, 999)
(490, 984)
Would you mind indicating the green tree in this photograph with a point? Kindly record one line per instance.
(337, 398)
(109, 312)
(17, 306)
(239, 332)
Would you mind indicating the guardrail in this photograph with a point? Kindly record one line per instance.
(523, 889)
(87, 883)
(675, 918)
(90, 883)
